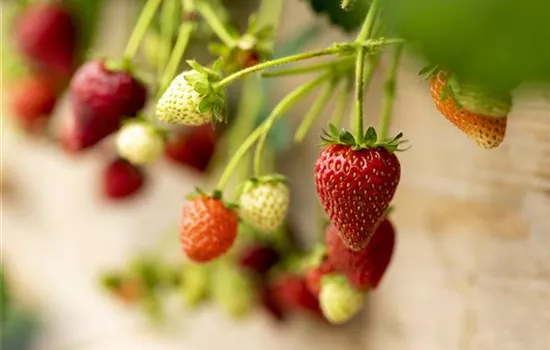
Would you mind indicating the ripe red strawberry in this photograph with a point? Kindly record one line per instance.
(122, 179)
(101, 98)
(291, 294)
(207, 228)
(314, 274)
(46, 33)
(33, 100)
(259, 258)
(267, 299)
(482, 116)
(365, 268)
(194, 148)
(356, 180)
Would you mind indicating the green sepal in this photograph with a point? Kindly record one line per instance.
(427, 72)
(389, 210)
(118, 65)
(315, 257)
(369, 140)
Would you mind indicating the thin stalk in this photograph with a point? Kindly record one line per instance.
(342, 104)
(215, 23)
(314, 112)
(364, 34)
(186, 29)
(143, 22)
(308, 69)
(368, 73)
(188, 6)
(279, 110)
(167, 26)
(389, 94)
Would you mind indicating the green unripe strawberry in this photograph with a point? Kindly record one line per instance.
(195, 283)
(139, 143)
(338, 299)
(233, 289)
(180, 103)
(264, 202)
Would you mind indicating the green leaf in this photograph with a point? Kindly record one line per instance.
(348, 20)
(202, 88)
(347, 138)
(370, 136)
(205, 105)
(88, 14)
(197, 66)
(334, 132)
(428, 71)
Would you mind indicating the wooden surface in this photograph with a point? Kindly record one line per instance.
(471, 270)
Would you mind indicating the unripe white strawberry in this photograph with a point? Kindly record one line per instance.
(180, 103)
(338, 299)
(264, 202)
(139, 143)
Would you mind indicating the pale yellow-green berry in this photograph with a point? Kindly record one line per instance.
(195, 283)
(265, 204)
(338, 299)
(139, 143)
(233, 289)
(180, 103)
(476, 100)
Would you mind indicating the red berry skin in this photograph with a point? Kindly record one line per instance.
(267, 299)
(355, 189)
(207, 228)
(101, 99)
(33, 100)
(365, 268)
(313, 277)
(259, 258)
(194, 149)
(46, 33)
(292, 294)
(122, 179)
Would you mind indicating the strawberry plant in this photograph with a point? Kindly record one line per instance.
(235, 236)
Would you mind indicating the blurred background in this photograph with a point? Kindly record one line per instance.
(472, 263)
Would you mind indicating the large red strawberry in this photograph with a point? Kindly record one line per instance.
(33, 100)
(482, 115)
(364, 268)
(356, 179)
(208, 228)
(194, 148)
(121, 179)
(101, 98)
(46, 33)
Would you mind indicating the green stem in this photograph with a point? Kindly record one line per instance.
(389, 88)
(145, 18)
(188, 6)
(342, 104)
(215, 23)
(277, 62)
(309, 69)
(368, 73)
(281, 108)
(167, 25)
(314, 112)
(364, 34)
(186, 29)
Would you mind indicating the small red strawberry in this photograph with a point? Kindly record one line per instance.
(259, 258)
(33, 100)
(267, 299)
(207, 228)
(291, 294)
(101, 98)
(314, 274)
(481, 115)
(364, 268)
(194, 148)
(356, 180)
(46, 33)
(122, 179)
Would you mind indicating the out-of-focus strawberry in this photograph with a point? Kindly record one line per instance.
(291, 293)
(314, 274)
(259, 258)
(46, 34)
(194, 148)
(122, 179)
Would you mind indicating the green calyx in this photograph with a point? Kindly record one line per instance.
(203, 80)
(270, 179)
(315, 257)
(369, 139)
(216, 194)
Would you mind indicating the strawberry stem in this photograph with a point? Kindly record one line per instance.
(143, 22)
(342, 104)
(364, 34)
(167, 27)
(389, 96)
(281, 108)
(310, 69)
(216, 24)
(184, 36)
(314, 112)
